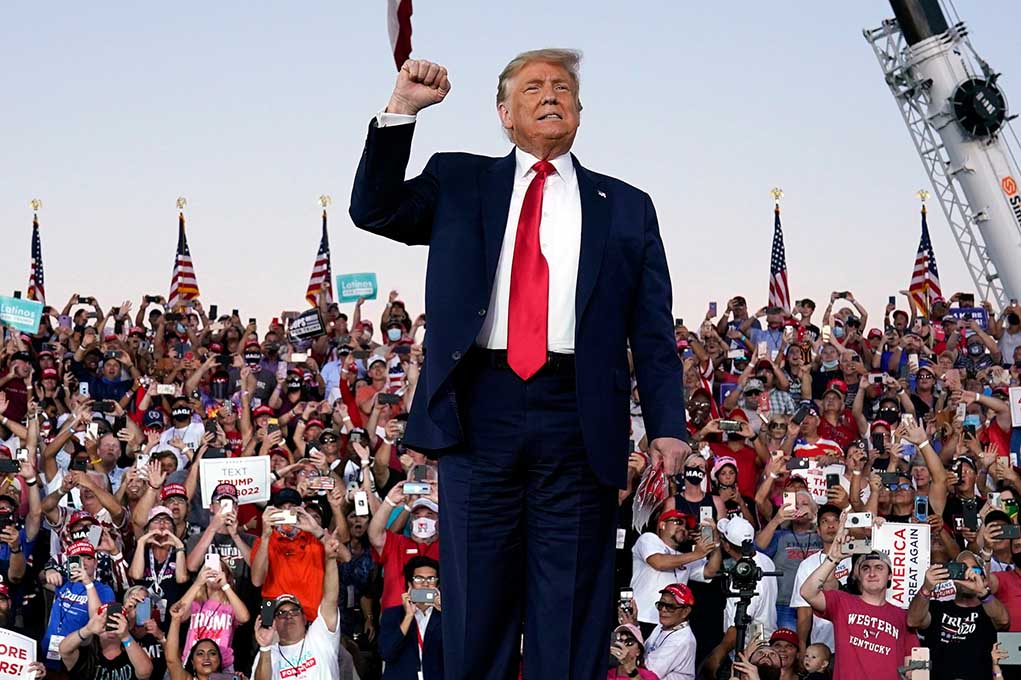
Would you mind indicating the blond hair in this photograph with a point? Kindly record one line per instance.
(570, 60)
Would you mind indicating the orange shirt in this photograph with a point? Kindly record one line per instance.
(295, 567)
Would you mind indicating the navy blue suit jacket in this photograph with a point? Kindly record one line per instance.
(400, 652)
(458, 207)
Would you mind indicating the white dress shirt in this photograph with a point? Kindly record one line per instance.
(559, 240)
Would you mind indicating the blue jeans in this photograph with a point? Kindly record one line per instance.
(786, 617)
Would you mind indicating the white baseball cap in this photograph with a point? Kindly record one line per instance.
(736, 530)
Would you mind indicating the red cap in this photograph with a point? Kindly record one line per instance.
(262, 411)
(81, 547)
(253, 343)
(681, 593)
(4, 592)
(677, 514)
(875, 333)
(836, 385)
(785, 634)
(110, 337)
(137, 330)
(738, 414)
(80, 516)
(314, 422)
(49, 373)
(169, 490)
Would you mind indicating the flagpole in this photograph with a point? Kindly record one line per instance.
(181, 203)
(35, 291)
(325, 200)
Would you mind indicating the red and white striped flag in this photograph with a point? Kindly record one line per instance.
(779, 293)
(36, 280)
(183, 284)
(398, 24)
(322, 275)
(924, 286)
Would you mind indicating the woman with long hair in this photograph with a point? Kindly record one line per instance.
(215, 611)
(203, 660)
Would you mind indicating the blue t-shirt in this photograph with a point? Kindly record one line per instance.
(70, 612)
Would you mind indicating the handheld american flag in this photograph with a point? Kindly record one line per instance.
(36, 280)
(183, 284)
(322, 272)
(924, 286)
(779, 293)
(398, 25)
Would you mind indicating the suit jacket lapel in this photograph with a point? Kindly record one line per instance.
(497, 186)
(595, 224)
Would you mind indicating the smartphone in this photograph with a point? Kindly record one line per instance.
(166, 390)
(790, 498)
(994, 500)
(858, 546)
(957, 570)
(962, 411)
(226, 505)
(299, 357)
(361, 354)
(799, 464)
(966, 299)
(95, 535)
(22, 455)
(969, 509)
(210, 427)
(912, 363)
(878, 442)
(361, 499)
(730, 426)
(922, 508)
(74, 561)
(892, 300)
(832, 480)
(93, 430)
(83, 389)
(417, 489)
(64, 321)
(627, 600)
(755, 631)
(322, 483)
(1010, 531)
(213, 309)
(712, 308)
(103, 406)
(213, 561)
(418, 473)
(285, 517)
(858, 520)
(907, 420)
(706, 532)
(251, 319)
(678, 322)
(876, 378)
(77, 465)
(800, 415)
(266, 614)
(422, 595)
(272, 426)
(389, 399)
(143, 612)
(762, 350)
(1010, 507)
(111, 609)
(827, 332)
(281, 370)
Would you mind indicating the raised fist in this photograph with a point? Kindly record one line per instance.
(420, 84)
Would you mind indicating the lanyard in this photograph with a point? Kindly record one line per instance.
(661, 639)
(157, 588)
(301, 654)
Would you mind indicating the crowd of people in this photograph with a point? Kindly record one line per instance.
(112, 561)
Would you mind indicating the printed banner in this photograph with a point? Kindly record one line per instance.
(307, 325)
(19, 314)
(1015, 406)
(350, 287)
(815, 480)
(907, 545)
(967, 313)
(250, 475)
(16, 653)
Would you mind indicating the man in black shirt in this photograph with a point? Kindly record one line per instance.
(959, 634)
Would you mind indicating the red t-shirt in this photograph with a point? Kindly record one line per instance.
(871, 642)
(1009, 593)
(747, 466)
(994, 434)
(397, 550)
(843, 433)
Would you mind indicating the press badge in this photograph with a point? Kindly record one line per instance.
(53, 652)
(621, 536)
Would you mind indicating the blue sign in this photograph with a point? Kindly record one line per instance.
(350, 287)
(979, 314)
(21, 315)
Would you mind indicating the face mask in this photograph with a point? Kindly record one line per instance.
(423, 528)
(1013, 319)
(181, 414)
(838, 332)
(830, 365)
(976, 350)
(694, 475)
(889, 415)
(393, 334)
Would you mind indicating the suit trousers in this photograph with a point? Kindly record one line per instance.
(526, 531)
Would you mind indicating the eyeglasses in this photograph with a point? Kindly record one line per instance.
(425, 580)
(625, 640)
(777, 426)
(287, 613)
(668, 607)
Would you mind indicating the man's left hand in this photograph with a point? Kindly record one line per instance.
(670, 451)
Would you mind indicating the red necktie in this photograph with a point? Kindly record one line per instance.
(529, 289)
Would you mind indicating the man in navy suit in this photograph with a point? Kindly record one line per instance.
(541, 274)
(411, 634)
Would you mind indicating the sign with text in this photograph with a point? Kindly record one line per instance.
(19, 314)
(815, 480)
(350, 287)
(970, 313)
(907, 546)
(250, 475)
(16, 653)
(1015, 406)
(307, 325)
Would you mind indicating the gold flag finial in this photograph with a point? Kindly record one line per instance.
(36, 204)
(776, 193)
(325, 201)
(923, 195)
(181, 202)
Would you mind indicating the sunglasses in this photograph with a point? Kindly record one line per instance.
(897, 487)
(625, 640)
(778, 426)
(668, 607)
(287, 614)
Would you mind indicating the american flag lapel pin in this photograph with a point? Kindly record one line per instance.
(602, 194)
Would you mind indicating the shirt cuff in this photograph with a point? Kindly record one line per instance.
(384, 119)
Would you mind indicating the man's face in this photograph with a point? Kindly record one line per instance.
(874, 575)
(774, 321)
(832, 402)
(766, 656)
(289, 621)
(966, 476)
(829, 525)
(673, 531)
(21, 368)
(425, 577)
(111, 369)
(541, 107)
(109, 448)
(671, 613)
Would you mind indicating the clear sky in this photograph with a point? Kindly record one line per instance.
(252, 110)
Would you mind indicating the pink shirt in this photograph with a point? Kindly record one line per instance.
(213, 620)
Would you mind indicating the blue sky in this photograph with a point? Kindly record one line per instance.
(253, 109)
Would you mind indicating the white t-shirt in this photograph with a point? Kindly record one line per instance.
(822, 630)
(647, 582)
(762, 608)
(670, 654)
(191, 435)
(314, 658)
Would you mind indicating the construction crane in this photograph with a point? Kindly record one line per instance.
(957, 117)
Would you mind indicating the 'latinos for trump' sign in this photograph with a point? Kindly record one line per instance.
(350, 287)
(907, 546)
(21, 315)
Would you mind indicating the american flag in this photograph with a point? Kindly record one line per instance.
(398, 25)
(183, 284)
(779, 295)
(322, 272)
(924, 286)
(36, 280)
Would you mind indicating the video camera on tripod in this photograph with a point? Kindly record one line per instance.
(742, 580)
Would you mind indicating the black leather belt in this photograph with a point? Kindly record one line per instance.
(556, 363)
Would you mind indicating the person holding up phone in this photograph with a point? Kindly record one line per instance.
(214, 610)
(394, 550)
(960, 634)
(223, 535)
(104, 648)
(200, 661)
(410, 633)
